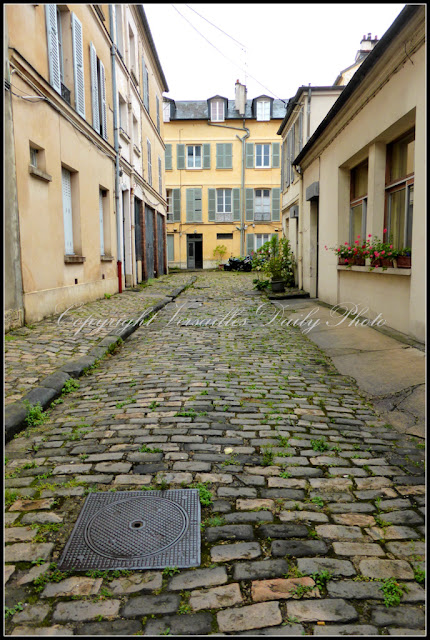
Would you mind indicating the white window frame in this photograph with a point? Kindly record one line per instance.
(33, 156)
(262, 205)
(169, 200)
(192, 160)
(262, 236)
(217, 111)
(166, 111)
(262, 165)
(148, 147)
(263, 110)
(224, 209)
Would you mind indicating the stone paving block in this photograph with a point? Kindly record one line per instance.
(288, 629)
(148, 580)
(357, 549)
(239, 551)
(31, 505)
(112, 467)
(332, 565)
(8, 572)
(254, 616)
(198, 578)
(406, 517)
(281, 588)
(27, 552)
(249, 516)
(216, 598)
(376, 568)
(407, 549)
(254, 504)
(322, 610)
(81, 586)
(339, 532)
(298, 548)
(150, 604)
(346, 630)
(371, 591)
(260, 569)
(413, 617)
(19, 534)
(401, 631)
(109, 628)
(298, 516)
(282, 531)
(77, 611)
(54, 630)
(191, 624)
(33, 574)
(32, 613)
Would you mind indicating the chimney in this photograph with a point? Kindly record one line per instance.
(240, 98)
(366, 46)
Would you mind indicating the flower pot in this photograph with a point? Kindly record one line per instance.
(277, 286)
(358, 261)
(341, 262)
(385, 263)
(404, 262)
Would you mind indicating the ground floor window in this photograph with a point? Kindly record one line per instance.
(260, 239)
(357, 220)
(400, 204)
(170, 247)
(224, 236)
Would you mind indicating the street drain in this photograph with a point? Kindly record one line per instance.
(135, 530)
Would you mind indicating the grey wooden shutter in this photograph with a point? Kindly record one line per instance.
(228, 156)
(211, 205)
(102, 240)
(78, 65)
(180, 156)
(282, 165)
(158, 113)
(249, 155)
(292, 153)
(94, 88)
(53, 50)
(197, 205)
(145, 85)
(168, 157)
(206, 156)
(103, 100)
(236, 205)
(220, 156)
(275, 155)
(287, 168)
(190, 205)
(176, 205)
(160, 177)
(249, 243)
(67, 211)
(276, 205)
(301, 129)
(249, 205)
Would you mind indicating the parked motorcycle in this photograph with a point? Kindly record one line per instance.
(238, 264)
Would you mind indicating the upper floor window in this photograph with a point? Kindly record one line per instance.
(169, 198)
(358, 202)
(217, 110)
(224, 211)
(262, 204)
(263, 110)
(262, 155)
(132, 53)
(166, 111)
(149, 163)
(399, 191)
(194, 157)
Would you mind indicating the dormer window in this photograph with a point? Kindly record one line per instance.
(263, 110)
(166, 111)
(217, 110)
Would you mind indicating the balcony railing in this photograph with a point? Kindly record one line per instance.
(65, 93)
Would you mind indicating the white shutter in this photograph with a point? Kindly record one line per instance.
(94, 88)
(103, 100)
(67, 211)
(102, 240)
(53, 50)
(113, 34)
(78, 65)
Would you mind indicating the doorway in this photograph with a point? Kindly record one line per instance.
(195, 251)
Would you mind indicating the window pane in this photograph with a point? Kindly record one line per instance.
(266, 155)
(359, 181)
(397, 218)
(356, 220)
(402, 158)
(258, 154)
(259, 240)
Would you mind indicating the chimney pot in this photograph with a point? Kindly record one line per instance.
(369, 36)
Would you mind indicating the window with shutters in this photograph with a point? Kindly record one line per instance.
(194, 156)
(60, 44)
(98, 93)
(168, 157)
(224, 155)
(262, 156)
(123, 117)
(217, 110)
(160, 177)
(262, 205)
(224, 212)
(399, 191)
(173, 198)
(169, 198)
(133, 54)
(166, 111)
(260, 239)
(145, 85)
(148, 145)
(358, 202)
(62, 53)
(263, 110)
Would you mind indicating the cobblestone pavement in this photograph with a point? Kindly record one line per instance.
(317, 517)
(34, 351)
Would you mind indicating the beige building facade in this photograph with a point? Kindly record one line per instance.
(376, 128)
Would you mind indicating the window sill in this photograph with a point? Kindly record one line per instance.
(388, 271)
(69, 259)
(106, 258)
(124, 135)
(136, 150)
(38, 173)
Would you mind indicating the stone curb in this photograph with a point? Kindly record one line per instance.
(51, 387)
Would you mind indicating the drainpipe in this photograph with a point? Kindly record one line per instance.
(116, 147)
(242, 223)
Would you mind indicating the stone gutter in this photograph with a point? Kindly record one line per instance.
(51, 387)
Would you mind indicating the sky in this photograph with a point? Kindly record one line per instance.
(272, 48)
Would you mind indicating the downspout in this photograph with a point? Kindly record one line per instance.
(242, 223)
(116, 147)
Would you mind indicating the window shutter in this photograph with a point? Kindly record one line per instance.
(301, 129)
(249, 205)
(249, 155)
(211, 205)
(180, 156)
(287, 168)
(103, 100)
(53, 51)
(145, 85)
(249, 243)
(292, 153)
(206, 156)
(282, 165)
(276, 205)
(190, 205)
(236, 205)
(275, 155)
(102, 243)
(160, 177)
(158, 113)
(113, 34)
(197, 205)
(220, 156)
(168, 157)
(78, 65)
(176, 205)
(94, 88)
(67, 211)
(228, 156)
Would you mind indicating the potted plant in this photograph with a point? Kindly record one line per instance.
(275, 259)
(219, 253)
(350, 255)
(381, 254)
(403, 258)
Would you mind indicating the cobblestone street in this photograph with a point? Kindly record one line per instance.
(315, 521)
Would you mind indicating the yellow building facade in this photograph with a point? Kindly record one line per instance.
(223, 177)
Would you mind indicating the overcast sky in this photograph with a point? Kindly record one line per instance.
(287, 45)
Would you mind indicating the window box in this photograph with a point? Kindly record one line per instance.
(403, 262)
(69, 259)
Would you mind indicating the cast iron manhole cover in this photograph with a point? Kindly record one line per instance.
(135, 530)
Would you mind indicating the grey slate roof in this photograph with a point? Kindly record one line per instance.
(198, 110)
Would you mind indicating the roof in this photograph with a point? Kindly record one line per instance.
(198, 110)
(398, 25)
(293, 101)
(151, 43)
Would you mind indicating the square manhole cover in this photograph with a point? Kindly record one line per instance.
(135, 530)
